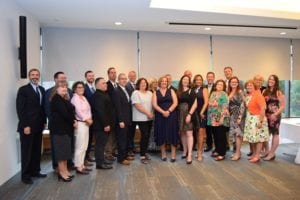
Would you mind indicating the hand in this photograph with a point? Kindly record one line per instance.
(107, 128)
(202, 116)
(166, 114)
(150, 116)
(89, 122)
(122, 125)
(238, 121)
(27, 130)
(75, 124)
(188, 119)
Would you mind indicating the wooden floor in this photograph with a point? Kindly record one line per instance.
(209, 179)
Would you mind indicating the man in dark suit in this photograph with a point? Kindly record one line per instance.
(210, 79)
(89, 90)
(58, 77)
(124, 114)
(104, 121)
(130, 87)
(30, 109)
(111, 145)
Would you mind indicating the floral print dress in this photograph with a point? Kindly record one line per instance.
(272, 107)
(217, 112)
(252, 133)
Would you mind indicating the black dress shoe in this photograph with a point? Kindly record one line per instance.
(91, 159)
(104, 166)
(83, 172)
(207, 149)
(27, 181)
(173, 159)
(107, 162)
(164, 159)
(39, 175)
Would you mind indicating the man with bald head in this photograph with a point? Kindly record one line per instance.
(188, 73)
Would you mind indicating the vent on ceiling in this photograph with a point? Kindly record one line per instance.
(232, 25)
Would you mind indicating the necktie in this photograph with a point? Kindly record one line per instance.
(92, 89)
(38, 94)
(126, 94)
(115, 85)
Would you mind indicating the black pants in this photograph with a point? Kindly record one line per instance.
(122, 136)
(209, 137)
(101, 139)
(145, 128)
(88, 150)
(219, 133)
(30, 153)
(130, 137)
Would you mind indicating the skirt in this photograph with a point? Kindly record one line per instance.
(252, 134)
(62, 147)
(183, 112)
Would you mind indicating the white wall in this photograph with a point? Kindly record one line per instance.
(9, 79)
(249, 56)
(76, 50)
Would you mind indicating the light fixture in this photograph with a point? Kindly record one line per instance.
(118, 23)
(283, 33)
(207, 28)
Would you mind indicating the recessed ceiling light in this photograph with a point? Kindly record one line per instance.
(282, 33)
(118, 23)
(207, 28)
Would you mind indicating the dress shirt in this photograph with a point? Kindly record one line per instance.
(82, 107)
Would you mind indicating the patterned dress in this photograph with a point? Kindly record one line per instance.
(252, 134)
(236, 109)
(273, 105)
(217, 112)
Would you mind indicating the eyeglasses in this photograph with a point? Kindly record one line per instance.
(79, 87)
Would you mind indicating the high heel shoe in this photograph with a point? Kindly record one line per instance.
(189, 162)
(219, 158)
(235, 158)
(184, 156)
(59, 177)
(269, 159)
(164, 159)
(71, 176)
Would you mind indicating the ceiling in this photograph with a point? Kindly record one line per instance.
(138, 16)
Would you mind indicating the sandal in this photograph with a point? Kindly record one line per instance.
(235, 158)
(254, 160)
(219, 158)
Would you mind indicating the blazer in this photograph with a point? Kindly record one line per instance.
(29, 109)
(103, 111)
(123, 106)
(88, 93)
(129, 88)
(110, 88)
(62, 116)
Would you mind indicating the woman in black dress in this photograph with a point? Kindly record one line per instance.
(187, 105)
(201, 112)
(164, 102)
(63, 121)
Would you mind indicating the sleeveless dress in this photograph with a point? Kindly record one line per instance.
(251, 133)
(201, 123)
(185, 102)
(273, 105)
(165, 129)
(236, 109)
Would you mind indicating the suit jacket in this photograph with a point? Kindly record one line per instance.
(123, 106)
(110, 88)
(29, 109)
(129, 88)
(62, 116)
(102, 110)
(88, 93)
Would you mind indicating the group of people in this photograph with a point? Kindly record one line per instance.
(193, 113)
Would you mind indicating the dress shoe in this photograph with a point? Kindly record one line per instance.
(173, 159)
(39, 175)
(250, 153)
(104, 166)
(91, 159)
(254, 160)
(27, 181)
(219, 158)
(71, 176)
(110, 158)
(125, 162)
(207, 149)
(87, 163)
(82, 172)
(87, 169)
(130, 158)
(184, 156)
(107, 162)
(189, 162)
